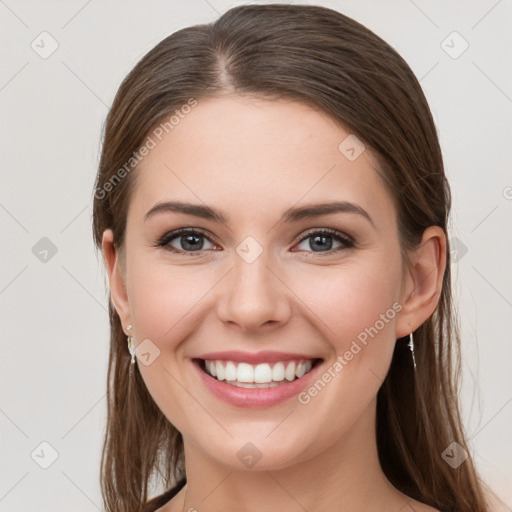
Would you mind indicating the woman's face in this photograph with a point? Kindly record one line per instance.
(274, 281)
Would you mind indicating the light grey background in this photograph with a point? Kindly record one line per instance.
(54, 324)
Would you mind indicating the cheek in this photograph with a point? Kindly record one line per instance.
(163, 298)
(356, 307)
(357, 302)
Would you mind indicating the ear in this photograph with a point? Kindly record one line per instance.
(116, 278)
(423, 281)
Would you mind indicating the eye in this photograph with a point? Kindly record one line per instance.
(186, 240)
(192, 240)
(323, 241)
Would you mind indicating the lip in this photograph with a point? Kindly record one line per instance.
(254, 357)
(257, 397)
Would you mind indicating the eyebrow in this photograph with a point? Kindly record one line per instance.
(290, 215)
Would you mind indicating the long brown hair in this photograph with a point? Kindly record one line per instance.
(321, 57)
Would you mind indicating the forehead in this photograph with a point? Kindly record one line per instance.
(258, 157)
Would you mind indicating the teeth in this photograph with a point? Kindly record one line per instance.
(245, 373)
(230, 373)
(290, 371)
(278, 372)
(221, 375)
(252, 385)
(260, 375)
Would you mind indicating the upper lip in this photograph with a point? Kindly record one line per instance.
(254, 357)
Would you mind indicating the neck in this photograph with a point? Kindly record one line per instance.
(344, 476)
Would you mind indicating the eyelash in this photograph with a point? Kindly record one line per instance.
(348, 242)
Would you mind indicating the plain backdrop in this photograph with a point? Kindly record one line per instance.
(61, 65)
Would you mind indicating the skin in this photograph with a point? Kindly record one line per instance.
(253, 159)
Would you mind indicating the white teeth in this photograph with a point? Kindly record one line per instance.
(260, 375)
(253, 385)
(231, 372)
(220, 370)
(278, 372)
(245, 373)
(290, 371)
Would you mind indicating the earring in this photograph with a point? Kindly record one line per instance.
(131, 345)
(411, 346)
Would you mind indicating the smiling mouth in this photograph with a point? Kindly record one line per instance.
(264, 375)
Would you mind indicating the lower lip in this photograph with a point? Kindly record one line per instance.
(255, 397)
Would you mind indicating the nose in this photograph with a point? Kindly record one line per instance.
(253, 296)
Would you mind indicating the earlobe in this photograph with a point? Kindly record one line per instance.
(424, 281)
(116, 279)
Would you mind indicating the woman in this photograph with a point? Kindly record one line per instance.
(272, 209)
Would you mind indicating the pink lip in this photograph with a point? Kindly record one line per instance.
(257, 397)
(254, 357)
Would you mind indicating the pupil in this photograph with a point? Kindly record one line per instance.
(321, 240)
(191, 242)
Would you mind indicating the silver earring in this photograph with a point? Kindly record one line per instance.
(411, 346)
(131, 345)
